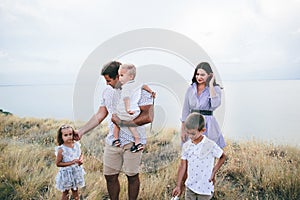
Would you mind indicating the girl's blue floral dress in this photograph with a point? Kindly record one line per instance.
(70, 177)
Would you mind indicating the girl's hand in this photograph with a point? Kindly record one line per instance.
(75, 161)
(80, 160)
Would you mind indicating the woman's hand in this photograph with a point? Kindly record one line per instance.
(184, 136)
(212, 79)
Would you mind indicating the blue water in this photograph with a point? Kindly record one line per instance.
(264, 110)
(39, 101)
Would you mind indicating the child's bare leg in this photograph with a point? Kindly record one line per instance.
(135, 134)
(65, 195)
(116, 131)
(137, 144)
(75, 194)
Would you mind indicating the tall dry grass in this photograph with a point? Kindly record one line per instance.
(253, 170)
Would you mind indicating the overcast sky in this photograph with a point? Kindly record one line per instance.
(47, 41)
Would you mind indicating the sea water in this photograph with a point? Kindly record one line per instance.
(266, 110)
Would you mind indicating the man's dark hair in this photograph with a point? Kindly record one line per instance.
(111, 69)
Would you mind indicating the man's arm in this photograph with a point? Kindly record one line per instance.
(145, 117)
(95, 120)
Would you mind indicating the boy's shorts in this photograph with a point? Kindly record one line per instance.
(116, 157)
(189, 195)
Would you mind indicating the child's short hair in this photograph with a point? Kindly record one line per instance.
(131, 70)
(195, 121)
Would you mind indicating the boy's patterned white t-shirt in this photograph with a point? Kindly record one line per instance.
(200, 160)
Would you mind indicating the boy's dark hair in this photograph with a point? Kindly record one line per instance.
(195, 121)
(111, 69)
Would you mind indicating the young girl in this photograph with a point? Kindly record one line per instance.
(69, 160)
(203, 96)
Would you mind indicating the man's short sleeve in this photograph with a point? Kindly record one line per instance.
(106, 98)
(145, 99)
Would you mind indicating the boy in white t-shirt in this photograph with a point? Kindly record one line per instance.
(198, 156)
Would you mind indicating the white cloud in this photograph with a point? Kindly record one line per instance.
(279, 9)
(296, 32)
(56, 35)
(3, 54)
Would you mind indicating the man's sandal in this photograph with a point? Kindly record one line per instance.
(116, 143)
(136, 148)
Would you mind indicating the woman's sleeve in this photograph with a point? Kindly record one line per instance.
(186, 106)
(215, 102)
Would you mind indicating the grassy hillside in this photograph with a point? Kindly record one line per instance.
(252, 170)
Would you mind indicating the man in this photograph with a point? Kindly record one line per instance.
(116, 157)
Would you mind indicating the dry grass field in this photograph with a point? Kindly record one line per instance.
(253, 170)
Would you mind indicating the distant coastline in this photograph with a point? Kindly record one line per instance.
(258, 103)
(224, 79)
(5, 112)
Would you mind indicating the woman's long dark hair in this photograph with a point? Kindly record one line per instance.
(206, 67)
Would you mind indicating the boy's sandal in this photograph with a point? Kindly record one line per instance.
(136, 148)
(116, 143)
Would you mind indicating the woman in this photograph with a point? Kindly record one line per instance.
(203, 96)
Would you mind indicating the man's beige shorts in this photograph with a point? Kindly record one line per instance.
(116, 157)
